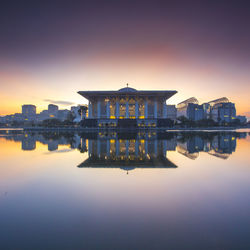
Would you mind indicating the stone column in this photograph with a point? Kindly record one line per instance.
(90, 147)
(164, 111)
(117, 147)
(108, 109)
(136, 110)
(155, 109)
(117, 110)
(127, 146)
(127, 110)
(98, 147)
(155, 147)
(164, 148)
(146, 147)
(98, 109)
(136, 148)
(108, 148)
(146, 109)
(90, 113)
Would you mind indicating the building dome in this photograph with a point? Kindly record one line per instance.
(127, 89)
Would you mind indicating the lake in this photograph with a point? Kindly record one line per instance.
(114, 190)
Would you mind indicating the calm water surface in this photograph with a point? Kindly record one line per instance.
(125, 191)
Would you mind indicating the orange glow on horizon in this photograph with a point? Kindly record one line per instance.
(152, 71)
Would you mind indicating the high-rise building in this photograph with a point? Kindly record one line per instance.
(182, 106)
(52, 110)
(195, 112)
(214, 105)
(207, 110)
(226, 112)
(29, 111)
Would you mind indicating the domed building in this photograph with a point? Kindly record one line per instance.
(126, 107)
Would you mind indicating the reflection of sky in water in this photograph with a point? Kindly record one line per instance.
(47, 201)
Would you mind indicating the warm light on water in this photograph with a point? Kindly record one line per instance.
(59, 192)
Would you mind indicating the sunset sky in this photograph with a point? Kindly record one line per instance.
(49, 50)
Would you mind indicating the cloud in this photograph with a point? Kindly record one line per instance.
(64, 103)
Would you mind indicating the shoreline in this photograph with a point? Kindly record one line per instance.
(173, 129)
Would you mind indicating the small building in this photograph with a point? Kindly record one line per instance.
(43, 115)
(242, 119)
(63, 114)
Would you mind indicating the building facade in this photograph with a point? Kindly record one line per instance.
(52, 110)
(141, 108)
(182, 106)
(29, 112)
(171, 112)
(226, 112)
(195, 112)
(242, 119)
(223, 112)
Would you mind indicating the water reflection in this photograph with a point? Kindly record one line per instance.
(130, 150)
(82, 200)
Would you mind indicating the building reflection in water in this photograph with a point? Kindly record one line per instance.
(129, 150)
(217, 144)
(127, 153)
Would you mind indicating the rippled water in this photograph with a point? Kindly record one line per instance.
(146, 190)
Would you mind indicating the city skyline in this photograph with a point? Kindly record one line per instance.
(50, 51)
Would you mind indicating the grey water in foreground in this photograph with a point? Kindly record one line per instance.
(116, 190)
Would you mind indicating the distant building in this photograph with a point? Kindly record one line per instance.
(43, 115)
(214, 105)
(2, 119)
(226, 112)
(63, 114)
(79, 112)
(195, 112)
(29, 112)
(242, 119)
(52, 110)
(18, 117)
(207, 110)
(171, 112)
(182, 106)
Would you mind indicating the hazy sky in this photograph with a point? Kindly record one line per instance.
(49, 50)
